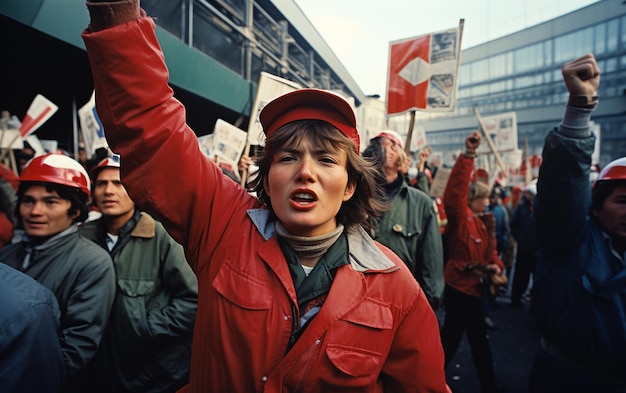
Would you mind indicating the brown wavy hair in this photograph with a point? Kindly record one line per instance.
(365, 204)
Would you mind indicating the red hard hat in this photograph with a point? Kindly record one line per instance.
(615, 170)
(57, 169)
(109, 162)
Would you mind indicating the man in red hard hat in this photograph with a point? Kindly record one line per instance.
(51, 201)
(579, 285)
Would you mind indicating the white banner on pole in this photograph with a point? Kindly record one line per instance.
(225, 145)
(502, 129)
(270, 87)
(418, 141)
(11, 139)
(91, 127)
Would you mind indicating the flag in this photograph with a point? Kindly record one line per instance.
(91, 127)
(422, 72)
(39, 111)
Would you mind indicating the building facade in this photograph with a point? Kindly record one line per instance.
(215, 51)
(521, 73)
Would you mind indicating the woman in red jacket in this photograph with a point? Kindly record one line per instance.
(293, 295)
(472, 256)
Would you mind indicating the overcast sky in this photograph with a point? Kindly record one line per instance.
(359, 31)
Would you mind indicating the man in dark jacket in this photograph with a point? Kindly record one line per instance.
(52, 200)
(579, 290)
(147, 343)
(524, 232)
(31, 360)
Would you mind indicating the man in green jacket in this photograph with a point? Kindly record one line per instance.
(147, 343)
(410, 227)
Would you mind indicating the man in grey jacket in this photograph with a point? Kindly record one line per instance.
(51, 201)
(147, 343)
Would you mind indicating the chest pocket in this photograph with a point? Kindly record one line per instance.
(357, 345)
(242, 289)
(130, 305)
(476, 240)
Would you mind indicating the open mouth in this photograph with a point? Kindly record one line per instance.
(302, 197)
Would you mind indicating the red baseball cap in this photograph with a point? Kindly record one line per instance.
(311, 104)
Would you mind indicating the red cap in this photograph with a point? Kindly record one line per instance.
(311, 104)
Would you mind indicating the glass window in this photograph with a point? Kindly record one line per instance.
(496, 87)
(480, 90)
(611, 35)
(573, 45)
(168, 15)
(624, 31)
(465, 74)
(611, 65)
(480, 71)
(547, 53)
(497, 66)
(529, 58)
(611, 91)
(463, 93)
(546, 76)
(217, 40)
(600, 38)
(524, 81)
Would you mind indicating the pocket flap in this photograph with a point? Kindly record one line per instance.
(371, 314)
(135, 287)
(242, 290)
(355, 362)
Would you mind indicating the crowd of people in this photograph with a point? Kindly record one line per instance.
(333, 270)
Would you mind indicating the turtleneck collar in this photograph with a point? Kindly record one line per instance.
(309, 246)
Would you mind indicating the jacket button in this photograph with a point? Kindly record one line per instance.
(397, 228)
(286, 317)
(264, 378)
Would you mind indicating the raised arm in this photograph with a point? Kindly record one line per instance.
(564, 191)
(164, 170)
(456, 192)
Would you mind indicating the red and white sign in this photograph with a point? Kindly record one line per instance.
(422, 72)
(40, 110)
